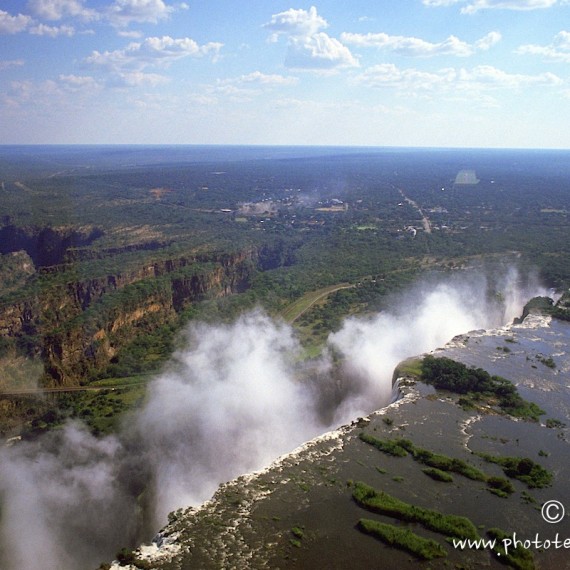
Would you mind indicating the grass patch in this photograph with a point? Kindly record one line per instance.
(100, 410)
(403, 539)
(445, 463)
(438, 475)
(522, 468)
(385, 504)
(410, 367)
(528, 498)
(498, 492)
(547, 361)
(401, 447)
(500, 486)
(519, 557)
(298, 532)
(293, 311)
(466, 403)
(554, 424)
(126, 381)
(390, 447)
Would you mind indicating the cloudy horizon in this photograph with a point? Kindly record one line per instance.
(451, 73)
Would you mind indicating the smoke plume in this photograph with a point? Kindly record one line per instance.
(232, 401)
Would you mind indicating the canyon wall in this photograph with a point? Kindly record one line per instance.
(77, 325)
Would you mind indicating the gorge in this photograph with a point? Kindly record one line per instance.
(194, 431)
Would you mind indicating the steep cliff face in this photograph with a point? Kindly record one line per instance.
(46, 246)
(85, 346)
(78, 327)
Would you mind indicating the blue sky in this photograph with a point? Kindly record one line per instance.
(443, 73)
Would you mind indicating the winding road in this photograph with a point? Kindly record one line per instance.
(425, 219)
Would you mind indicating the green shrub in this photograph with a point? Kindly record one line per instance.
(438, 475)
(385, 504)
(522, 468)
(519, 558)
(547, 361)
(385, 445)
(498, 492)
(125, 557)
(298, 532)
(401, 447)
(403, 538)
(500, 484)
(447, 374)
(445, 463)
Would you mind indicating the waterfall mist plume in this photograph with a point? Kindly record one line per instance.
(231, 405)
(424, 317)
(230, 402)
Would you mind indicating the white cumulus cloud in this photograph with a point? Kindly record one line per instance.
(416, 47)
(476, 5)
(119, 13)
(133, 34)
(52, 31)
(13, 24)
(557, 50)
(152, 51)
(488, 41)
(257, 77)
(389, 75)
(78, 82)
(297, 23)
(450, 81)
(320, 52)
(440, 2)
(58, 9)
(491, 76)
(519, 5)
(309, 48)
(7, 63)
(123, 12)
(136, 79)
(246, 87)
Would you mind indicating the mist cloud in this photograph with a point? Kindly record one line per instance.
(63, 501)
(424, 318)
(232, 406)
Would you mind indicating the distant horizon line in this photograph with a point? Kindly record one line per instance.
(263, 145)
